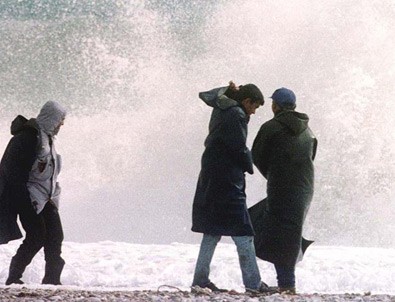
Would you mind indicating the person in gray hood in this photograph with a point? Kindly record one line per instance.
(29, 188)
(283, 151)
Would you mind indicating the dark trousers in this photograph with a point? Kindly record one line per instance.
(285, 276)
(42, 230)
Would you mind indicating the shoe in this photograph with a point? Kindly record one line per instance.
(287, 290)
(15, 273)
(263, 289)
(45, 282)
(16, 281)
(214, 288)
(211, 286)
(53, 270)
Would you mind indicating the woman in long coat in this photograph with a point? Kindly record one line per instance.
(219, 207)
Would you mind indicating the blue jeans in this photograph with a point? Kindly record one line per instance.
(285, 276)
(247, 260)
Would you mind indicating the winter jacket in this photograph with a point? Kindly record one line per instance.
(283, 152)
(42, 183)
(15, 167)
(219, 206)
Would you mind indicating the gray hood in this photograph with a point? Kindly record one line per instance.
(50, 116)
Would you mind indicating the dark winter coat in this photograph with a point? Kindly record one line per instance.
(219, 206)
(15, 167)
(283, 151)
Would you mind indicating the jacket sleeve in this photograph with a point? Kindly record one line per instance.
(211, 97)
(235, 138)
(17, 162)
(261, 149)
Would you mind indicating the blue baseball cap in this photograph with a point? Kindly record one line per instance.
(284, 97)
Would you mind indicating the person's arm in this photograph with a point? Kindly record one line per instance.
(210, 97)
(261, 149)
(213, 97)
(235, 137)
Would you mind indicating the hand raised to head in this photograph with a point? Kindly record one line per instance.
(233, 87)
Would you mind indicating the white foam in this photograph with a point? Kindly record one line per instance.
(115, 265)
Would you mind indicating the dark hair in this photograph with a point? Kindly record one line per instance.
(246, 91)
(252, 92)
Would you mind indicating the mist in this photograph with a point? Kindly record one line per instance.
(130, 73)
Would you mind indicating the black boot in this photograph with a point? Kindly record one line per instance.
(15, 273)
(53, 270)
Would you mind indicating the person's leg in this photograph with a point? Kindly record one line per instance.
(34, 227)
(248, 263)
(53, 245)
(202, 269)
(285, 277)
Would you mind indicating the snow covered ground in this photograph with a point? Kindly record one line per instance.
(125, 266)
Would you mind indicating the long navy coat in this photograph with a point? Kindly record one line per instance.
(15, 167)
(283, 151)
(219, 206)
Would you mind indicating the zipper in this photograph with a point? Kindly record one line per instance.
(53, 167)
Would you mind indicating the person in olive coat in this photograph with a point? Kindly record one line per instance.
(219, 207)
(283, 151)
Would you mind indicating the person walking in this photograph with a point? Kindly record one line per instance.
(29, 188)
(219, 207)
(283, 151)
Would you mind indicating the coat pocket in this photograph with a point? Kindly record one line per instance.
(42, 169)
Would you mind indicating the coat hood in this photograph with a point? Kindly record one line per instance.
(20, 123)
(50, 116)
(216, 98)
(296, 122)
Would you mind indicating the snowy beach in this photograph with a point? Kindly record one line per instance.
(25, 294)
(102, 269)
